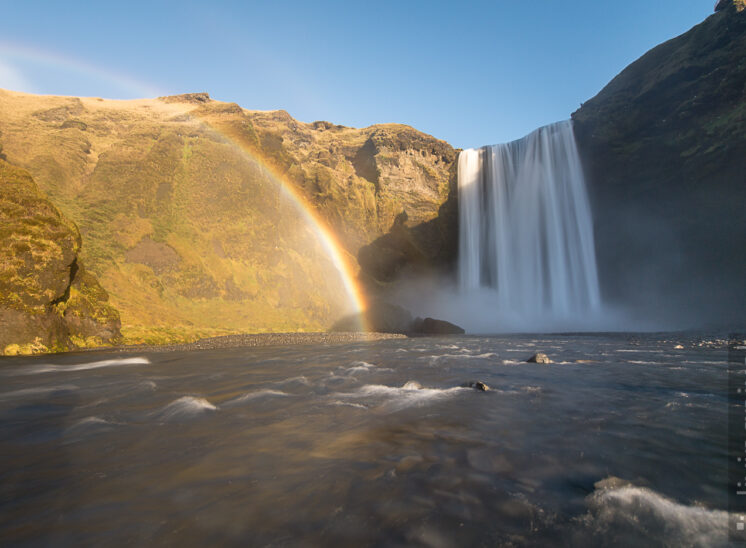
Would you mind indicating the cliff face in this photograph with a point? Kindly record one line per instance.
(186, 230)
(664, 147)
(182, 215)
(388, 190)
(47, 299)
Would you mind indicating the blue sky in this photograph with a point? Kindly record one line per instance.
(472, 73)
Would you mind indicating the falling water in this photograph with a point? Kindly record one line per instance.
(526, 228)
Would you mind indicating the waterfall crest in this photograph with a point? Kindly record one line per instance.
(525, 226)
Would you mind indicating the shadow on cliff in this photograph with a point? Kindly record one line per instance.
(424, 249)
(664, 150)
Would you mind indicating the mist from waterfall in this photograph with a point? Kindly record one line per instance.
(526, 250)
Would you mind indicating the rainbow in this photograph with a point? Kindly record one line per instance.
(329, 241)
(131, 87)
(136, 89)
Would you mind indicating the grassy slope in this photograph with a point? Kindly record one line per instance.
(188, 234)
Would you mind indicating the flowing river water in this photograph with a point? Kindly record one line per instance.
(622, 440)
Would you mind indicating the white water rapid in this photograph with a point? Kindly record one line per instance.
(526, 231)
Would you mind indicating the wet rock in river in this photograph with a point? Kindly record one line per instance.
(539, 357)
(476, 385)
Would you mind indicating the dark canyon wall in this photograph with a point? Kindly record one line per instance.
(664, 148)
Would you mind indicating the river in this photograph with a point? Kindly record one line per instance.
(621, 440)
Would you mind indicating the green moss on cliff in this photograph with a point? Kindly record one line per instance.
(47, 301)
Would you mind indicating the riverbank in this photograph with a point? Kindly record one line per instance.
(256, 339)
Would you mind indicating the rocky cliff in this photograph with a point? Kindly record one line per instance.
(664, 148)
(185, 223)
(48, 301)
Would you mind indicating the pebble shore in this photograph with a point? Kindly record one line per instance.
(261, 339)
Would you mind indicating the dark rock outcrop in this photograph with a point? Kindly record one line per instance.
(383, 317)
(664, 149)
(380, 317)
(431, 326)
(476, 385)
(47, 299)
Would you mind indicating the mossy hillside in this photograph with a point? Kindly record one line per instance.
(211, 207)
(48, 301)
(187, 232)
(231, 239)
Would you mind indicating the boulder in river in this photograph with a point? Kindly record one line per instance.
(476, 385)
(384, 317)
(431, 326)
(539, 357)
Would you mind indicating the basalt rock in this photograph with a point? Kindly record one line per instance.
(380, 317)
(431, 326)
(476, 385)
(383, 317)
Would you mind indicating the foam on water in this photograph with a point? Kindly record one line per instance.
(464, 356)
(37, 391)
(256, 394)
(394, 398)
(295, 380)
(88, 426)
(632, 515)
(639, 350)
(359, 367)
(90, 422)
(54, 368)
(349, 404)
(184, 408)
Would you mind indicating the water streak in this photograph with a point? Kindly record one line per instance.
(54, 368)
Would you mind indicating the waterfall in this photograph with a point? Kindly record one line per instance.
(526, 232)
